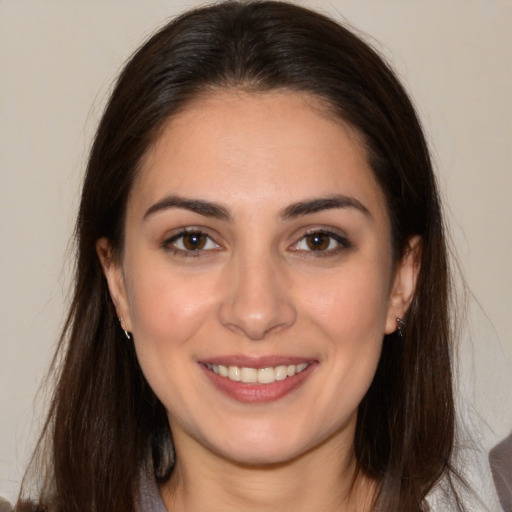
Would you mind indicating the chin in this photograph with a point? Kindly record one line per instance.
(265, 447)
(262, 456)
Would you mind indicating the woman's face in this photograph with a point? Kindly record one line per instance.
(257, 276)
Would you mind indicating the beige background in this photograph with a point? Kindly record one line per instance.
(57, 61)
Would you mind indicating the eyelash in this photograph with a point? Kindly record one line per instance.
(170, 243)
(341, 242)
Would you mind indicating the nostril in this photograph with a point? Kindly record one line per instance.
(257, 320)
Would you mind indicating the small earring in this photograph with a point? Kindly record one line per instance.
(400, 327)
(126, 333)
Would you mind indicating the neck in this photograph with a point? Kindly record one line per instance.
(324, 478)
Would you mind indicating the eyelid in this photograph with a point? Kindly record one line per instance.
(169, 241)
(339, 237)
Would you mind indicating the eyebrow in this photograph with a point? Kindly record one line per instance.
(299, 209)
(205, 208)
(325, 203)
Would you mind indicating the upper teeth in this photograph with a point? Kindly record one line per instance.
(257, 375)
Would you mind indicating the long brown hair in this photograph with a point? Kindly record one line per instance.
(104, 420)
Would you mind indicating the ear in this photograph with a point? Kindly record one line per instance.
(404, 284)
(113, 271)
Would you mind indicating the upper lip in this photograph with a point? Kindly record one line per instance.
(256, 361)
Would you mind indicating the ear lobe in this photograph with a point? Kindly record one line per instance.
(115, 279)
(404, 284)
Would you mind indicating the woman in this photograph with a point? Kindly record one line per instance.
(260, 317)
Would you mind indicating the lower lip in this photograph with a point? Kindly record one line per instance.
(258, 393)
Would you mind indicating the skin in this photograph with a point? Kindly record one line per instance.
(259, 288)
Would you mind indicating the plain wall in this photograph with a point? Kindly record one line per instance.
(57, 61)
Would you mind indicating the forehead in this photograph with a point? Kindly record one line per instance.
(266, 148)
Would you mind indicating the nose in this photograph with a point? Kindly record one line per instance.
(258, 300)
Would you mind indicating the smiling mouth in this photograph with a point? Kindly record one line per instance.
(266, 375)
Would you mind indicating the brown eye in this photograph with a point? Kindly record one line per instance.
(318, 241)
(194, 241)
(191, 242)
(324, 243)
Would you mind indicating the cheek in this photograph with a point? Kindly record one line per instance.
(350, 313)
(166, 311)
(350, 305)
(166, 305)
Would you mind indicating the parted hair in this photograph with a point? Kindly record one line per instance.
(105, 422)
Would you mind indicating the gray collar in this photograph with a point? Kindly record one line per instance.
(149, 496)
